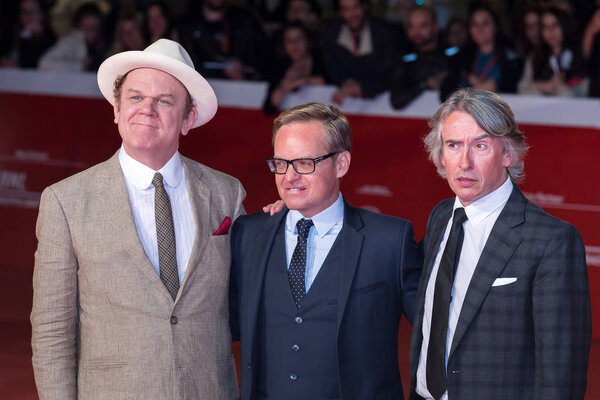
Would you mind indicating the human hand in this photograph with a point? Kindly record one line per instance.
(234, 69)
(551, 86)
(594, 24)
(316, 80)
(489, 84)
(435, 82)
(349, 88)
(8, 62)
(274, 208)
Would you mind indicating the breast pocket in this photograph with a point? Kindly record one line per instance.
(367, 289)
(211, 267)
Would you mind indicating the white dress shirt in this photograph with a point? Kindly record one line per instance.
(138, 179)
(327, 225)
(482, 215)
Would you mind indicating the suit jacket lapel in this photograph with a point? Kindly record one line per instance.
(117, 209)
(200, 203)
(262, 246)
(498, 250)
(352, 242)
(432, 243)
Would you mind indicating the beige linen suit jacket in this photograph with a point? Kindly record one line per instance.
(104, 325)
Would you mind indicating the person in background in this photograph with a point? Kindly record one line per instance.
(456, 33)
(358, 51)
(300, 65)
(225, 41)
(426, 66)
(270, 12)
(81, 50)
(158, 23)
(528, 28)
(304, 12)
(556, 67)
(503, 308)
(591, 52)
(32, 36)
(128, 34)
(486, 62)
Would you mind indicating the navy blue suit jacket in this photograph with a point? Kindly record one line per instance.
(378, 279)
(526, 340)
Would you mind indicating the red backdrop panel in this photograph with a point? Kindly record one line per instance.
(44, 139)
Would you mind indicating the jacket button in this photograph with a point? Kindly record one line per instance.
(174, 320)
(293, 376)
(298, 320)
(295, 347)
(249, 365)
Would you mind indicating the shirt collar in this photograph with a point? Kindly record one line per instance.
(140, 175)
(323, 221)
(483, 207)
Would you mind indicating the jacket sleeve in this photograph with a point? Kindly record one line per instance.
(561, 318)
(403, 89)
(235, 282)
(411, 267)
(54, 314)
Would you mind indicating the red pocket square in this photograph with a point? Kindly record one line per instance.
(224, 228)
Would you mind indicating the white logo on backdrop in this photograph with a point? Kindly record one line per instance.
(13, 180)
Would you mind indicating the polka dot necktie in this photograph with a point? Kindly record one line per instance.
(442, 296)
(165, 235)
(297, 268)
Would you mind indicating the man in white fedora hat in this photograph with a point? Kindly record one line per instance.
(132, 265)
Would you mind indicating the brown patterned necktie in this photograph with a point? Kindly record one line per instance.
(165, 234)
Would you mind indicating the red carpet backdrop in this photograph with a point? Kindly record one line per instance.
(47, 137)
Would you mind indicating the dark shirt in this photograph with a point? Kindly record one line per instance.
(411, 70)
(594, 68)
(372, 71)
(508, 62)
(277, 72)
(239, 36)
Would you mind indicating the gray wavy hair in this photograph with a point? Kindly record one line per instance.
(492, 114)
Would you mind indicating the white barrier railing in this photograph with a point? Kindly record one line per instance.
(539, 110)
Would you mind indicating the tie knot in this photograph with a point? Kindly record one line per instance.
(303, 227)
(459, 216)
(157, 181)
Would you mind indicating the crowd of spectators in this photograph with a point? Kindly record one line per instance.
(364, 48)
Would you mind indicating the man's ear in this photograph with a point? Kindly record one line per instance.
(342, 163)
(509, 159)
(188, 121)
(116, 108)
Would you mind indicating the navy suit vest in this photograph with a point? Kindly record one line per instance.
(297, 354)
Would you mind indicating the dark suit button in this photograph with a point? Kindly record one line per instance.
(249, 365)
(298, 320)
(174, 320)
(295, 347)
(293, 376)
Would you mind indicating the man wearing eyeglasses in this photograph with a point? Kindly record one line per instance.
(317, 291)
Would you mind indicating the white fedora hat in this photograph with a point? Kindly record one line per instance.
(167, 56)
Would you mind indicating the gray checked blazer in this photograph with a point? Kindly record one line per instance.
(525, 340)
(104, 325)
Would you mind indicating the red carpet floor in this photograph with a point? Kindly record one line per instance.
(16, 375)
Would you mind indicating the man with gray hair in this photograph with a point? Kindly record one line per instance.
(317, 291)
(503, 309)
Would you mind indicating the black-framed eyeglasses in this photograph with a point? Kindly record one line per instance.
(302, 166)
